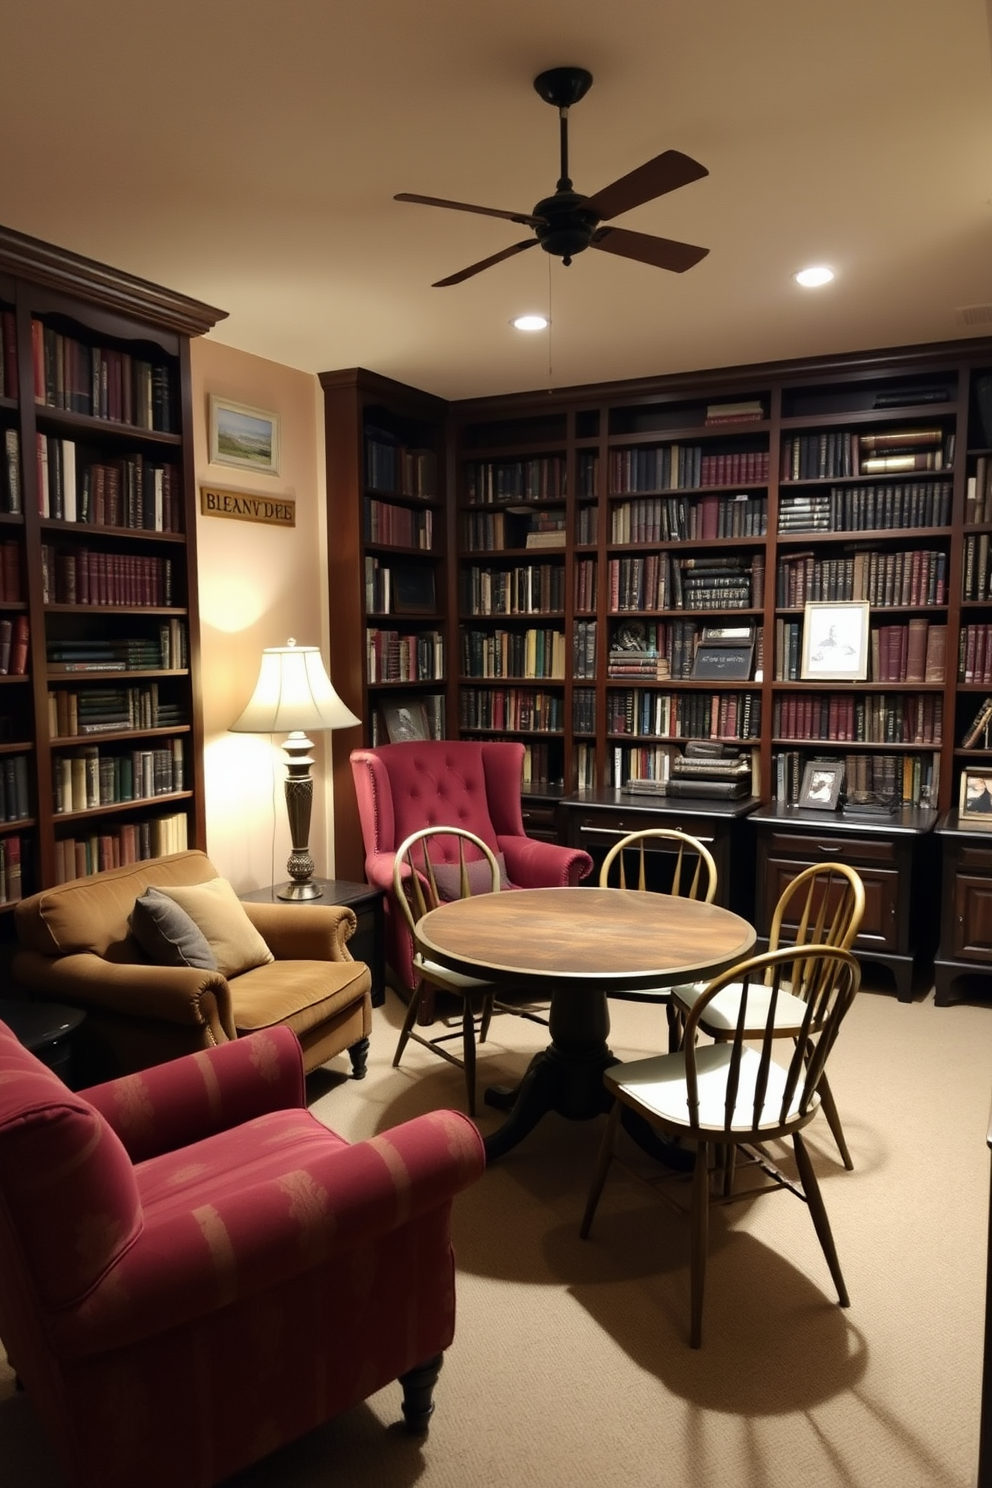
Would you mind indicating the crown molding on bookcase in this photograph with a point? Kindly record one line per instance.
(56, 268)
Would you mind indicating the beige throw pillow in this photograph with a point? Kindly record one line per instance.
(220, 917)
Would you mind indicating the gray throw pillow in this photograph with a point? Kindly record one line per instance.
(448, 877)
(166, 933)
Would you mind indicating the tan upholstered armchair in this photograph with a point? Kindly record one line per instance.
(77, 945)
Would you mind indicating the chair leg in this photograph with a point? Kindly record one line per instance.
(488, 1003)
(468, 1049)
(700, 1240)
(602, 1168)
(833, 1120)
(818, 1213)
(412, 1008)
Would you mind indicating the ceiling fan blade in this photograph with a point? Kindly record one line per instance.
(524, 218)
(664, 173)
(485, 264)
(663, 253)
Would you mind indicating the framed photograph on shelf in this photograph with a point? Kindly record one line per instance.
(975, 802)
(822, 780)
(413, 589)
(835, 641)
(405, 720)
(243, 436)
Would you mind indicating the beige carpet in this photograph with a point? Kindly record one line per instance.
(570, 1365)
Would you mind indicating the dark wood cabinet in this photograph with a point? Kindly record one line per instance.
(595, 820)
(965, 948)
(541, 810)
(894, 858)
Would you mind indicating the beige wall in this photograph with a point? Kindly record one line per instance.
(259, 585)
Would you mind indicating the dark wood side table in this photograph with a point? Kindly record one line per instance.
(966, 905)
(368, 943)
(894, 857)
(595, 820)
(46, 1028)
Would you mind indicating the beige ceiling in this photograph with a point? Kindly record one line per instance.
(246, 152)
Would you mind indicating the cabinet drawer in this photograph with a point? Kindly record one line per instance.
(973, 859)
(605, 827)
(820, 847)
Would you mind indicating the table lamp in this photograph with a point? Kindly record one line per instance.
(294, 694)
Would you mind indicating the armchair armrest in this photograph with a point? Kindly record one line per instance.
(304, 932)
(531, 864)
(176, 994)
(184, 1100)
(340, 1200)
(379, 870)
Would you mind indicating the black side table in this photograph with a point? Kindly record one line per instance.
(46, 1028)
(368, 942)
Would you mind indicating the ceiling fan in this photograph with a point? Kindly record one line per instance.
(568, 223)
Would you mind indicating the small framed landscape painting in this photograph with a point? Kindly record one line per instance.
(822, 780)
(975, 802)
(243, 436)
(835, 642)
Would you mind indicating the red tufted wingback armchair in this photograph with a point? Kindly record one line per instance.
(455, 782)
(194, 1270)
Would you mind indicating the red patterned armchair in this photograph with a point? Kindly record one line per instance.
(194, 1271)
(402, 788)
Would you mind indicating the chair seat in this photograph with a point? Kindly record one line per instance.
(442, 976)
(659, 1086)
(721, 1011)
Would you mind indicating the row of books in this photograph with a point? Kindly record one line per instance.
(584, 771)
(90, 777)
(586, 525)
(541, 478)
(399, 588)
(132, 491)
(12, 848)
(101, 710)
(488, 532)
(639, 762)
(164, 648)
(847, 717)
(905, 577)
(398, 526)
(683, 467)
(975, 654)
(583, 711)
(976, 578)
(516, 708)
(130, 842)
(102, 381)
(392, 656)
(584, 649)
(526, 589)
(662, 581)
(978, 493)
(10, 572)
(675, 518)
(532, 653)
(689, 715)
(391, 466)
(15, 797)
(831, 454)
(878, 507)
(912, 779)
(543, 764)
(653, 650)
(584, 596)
(911, 652)
(14, 638)
(85, 577)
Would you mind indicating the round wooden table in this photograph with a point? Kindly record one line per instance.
(577, 945)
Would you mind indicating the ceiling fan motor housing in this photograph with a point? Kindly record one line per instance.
(567, 229)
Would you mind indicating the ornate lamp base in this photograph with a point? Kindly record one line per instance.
(299, 800)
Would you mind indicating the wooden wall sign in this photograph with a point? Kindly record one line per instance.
(248, 506)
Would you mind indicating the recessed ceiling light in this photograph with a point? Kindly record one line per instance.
(529, 322)
(812, 278)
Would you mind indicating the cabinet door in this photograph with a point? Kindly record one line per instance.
(880, 928)
(972, 927)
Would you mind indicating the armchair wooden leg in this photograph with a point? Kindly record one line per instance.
(818, 1213)
(359, 1056)
(418, 1393)
(412, 1009)
(602, 1168)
